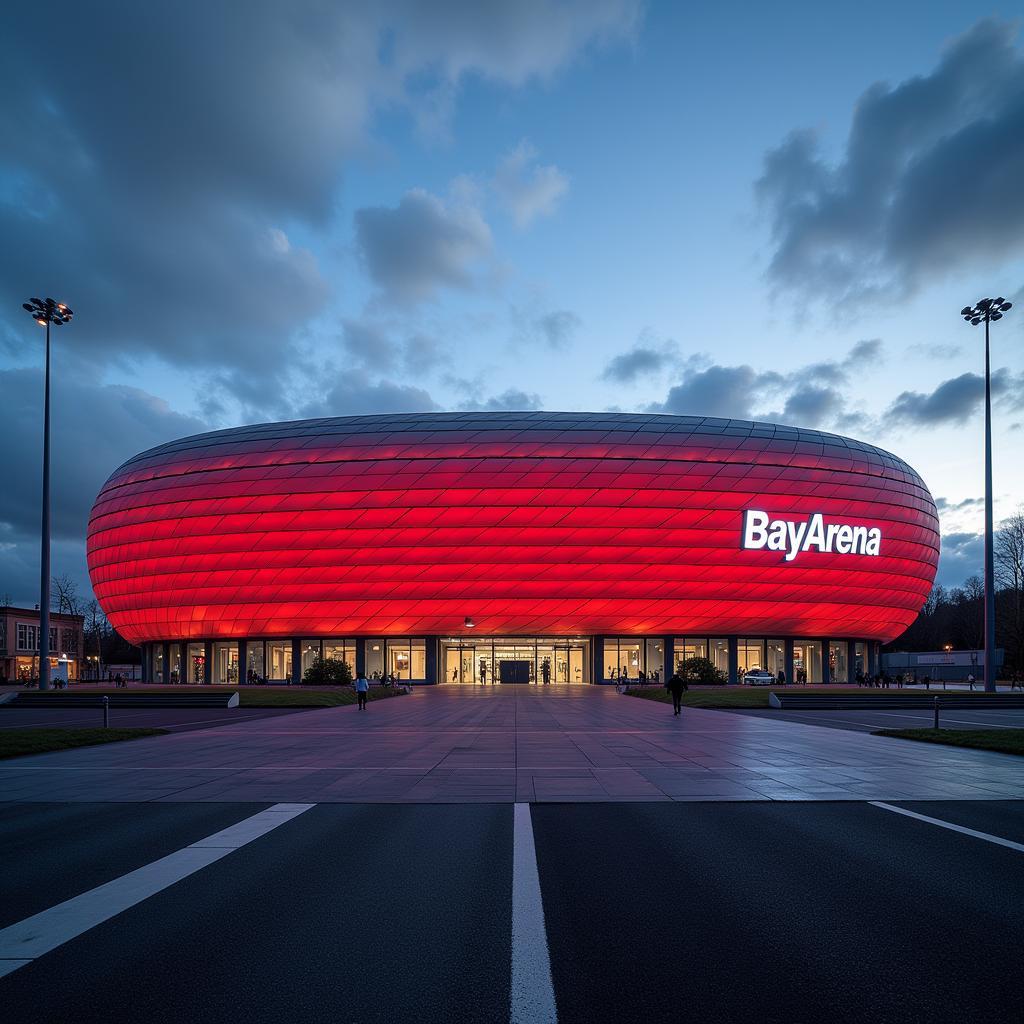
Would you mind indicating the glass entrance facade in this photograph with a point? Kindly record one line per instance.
(541, 661)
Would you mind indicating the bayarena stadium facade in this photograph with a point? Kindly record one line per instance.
(533, 547)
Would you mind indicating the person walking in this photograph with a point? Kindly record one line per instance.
(675, 686)
(362, 689)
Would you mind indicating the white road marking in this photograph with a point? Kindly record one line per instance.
(23, 942)
(533, 994)
(998, 840)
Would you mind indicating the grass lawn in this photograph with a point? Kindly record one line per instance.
(250, 696)
(1005, 741)
(19, 742)
(755, 696)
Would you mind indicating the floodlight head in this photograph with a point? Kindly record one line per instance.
(965, 312)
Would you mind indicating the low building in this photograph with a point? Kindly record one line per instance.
(19, 644)
(476, 548)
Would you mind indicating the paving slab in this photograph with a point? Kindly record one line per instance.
(452, 744)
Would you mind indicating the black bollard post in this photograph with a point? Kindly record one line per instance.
(106, 712)
(935, 724)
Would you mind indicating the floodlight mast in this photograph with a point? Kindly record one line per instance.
(988, 311)
(46, 312)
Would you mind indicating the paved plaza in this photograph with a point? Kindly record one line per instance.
(503, 744)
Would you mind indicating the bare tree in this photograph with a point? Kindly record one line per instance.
(66, 590)
(1009, 567)
(96, 629)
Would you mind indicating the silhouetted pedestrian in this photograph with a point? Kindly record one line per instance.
(362, 689)
(675, 686)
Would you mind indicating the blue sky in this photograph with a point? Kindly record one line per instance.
(728, 209)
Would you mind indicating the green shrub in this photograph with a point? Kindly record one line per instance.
(327, 672)
(702, 671)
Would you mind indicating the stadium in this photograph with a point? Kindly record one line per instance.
(498, 548)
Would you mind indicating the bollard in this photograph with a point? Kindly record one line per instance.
(106, 712)
(936, 722)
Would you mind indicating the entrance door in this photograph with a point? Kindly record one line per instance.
(514, 671)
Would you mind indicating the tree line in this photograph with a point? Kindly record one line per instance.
(956, 615)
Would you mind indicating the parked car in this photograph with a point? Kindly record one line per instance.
(759, 677)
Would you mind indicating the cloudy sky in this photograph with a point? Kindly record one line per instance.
(730, 209)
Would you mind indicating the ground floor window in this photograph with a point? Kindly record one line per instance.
(807, 661)
(254, 661)
(860, 658)
(775, 657)
(341, 650)
(656, 659)
(158, 663)
(225, 662)
(838, 664)
(749, 656)
(310, 652)
(279, 661)
(196, 661)
(538, 660)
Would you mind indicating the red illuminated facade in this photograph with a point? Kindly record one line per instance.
(561, 526)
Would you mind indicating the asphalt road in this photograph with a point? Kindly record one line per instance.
(176, 719)
(655, 912)
(871, 719)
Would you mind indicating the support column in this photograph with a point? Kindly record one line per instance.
(360, 656)
(669, 643)
(207, 663)
(296, 661)
(431, 669)
(147, 656)
(851, 661)
(597, 659)
(167, 662)
(734, 659)
(787, 660)
(826, 653)
(243, 660)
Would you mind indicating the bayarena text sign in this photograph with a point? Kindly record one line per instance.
(814, 534)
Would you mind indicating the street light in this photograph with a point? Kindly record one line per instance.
(46, 312)
(988, 310)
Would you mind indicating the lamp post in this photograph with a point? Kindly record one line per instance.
(46, 312)
(988, 310)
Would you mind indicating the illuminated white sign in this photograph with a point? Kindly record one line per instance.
(814, 534)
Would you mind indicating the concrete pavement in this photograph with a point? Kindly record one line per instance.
(501, 744)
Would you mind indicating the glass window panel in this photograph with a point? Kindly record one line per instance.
(254, 661)
(374, 659)
(749, 656)
(807, 661)
(158, 663)
(341, 650)
(629, 657)
(310, 652)
(838, 667)
(776, 657)
(175, 675)
(860, 657)
(418, 659)
(399, 663)
(196, 661)
(655, 659)
(279, 660)
(689, 647)
(719, 655)
(225, 662)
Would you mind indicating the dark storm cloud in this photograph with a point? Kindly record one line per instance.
(728, 391)
(512, 400)
(158, 161)
(945, 505)
(955, 400)
(929, 181)
(94, 429)
(412, 250)
(355, 393)
(641, 361)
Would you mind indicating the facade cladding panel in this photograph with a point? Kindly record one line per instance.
(528, 523)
